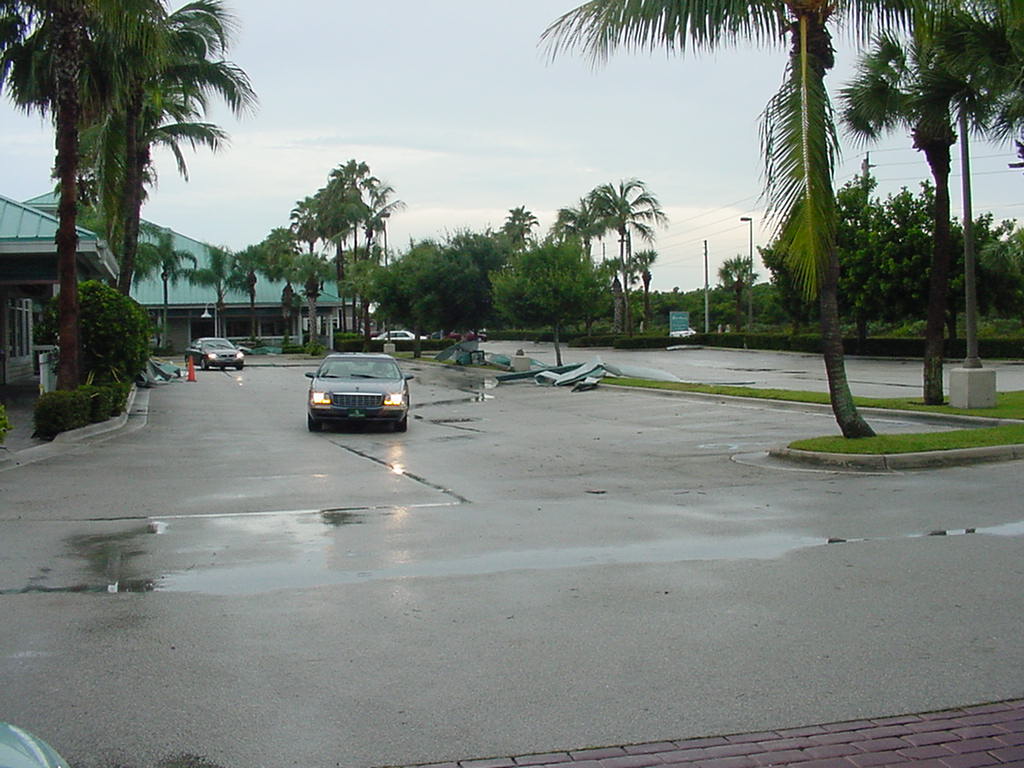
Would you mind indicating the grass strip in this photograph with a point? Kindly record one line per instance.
(1009, 405)
(1010, 434)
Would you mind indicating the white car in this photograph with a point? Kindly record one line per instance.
(396, 336)
(683, 333)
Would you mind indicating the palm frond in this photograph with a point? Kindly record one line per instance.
(800, 145)
(597, 28)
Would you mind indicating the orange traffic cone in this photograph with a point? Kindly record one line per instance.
(191, 369)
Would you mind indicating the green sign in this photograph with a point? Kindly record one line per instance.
(678, 321)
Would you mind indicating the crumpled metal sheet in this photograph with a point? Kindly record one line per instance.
(456, 350)
(594, 369)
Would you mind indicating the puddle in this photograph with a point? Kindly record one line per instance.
(337, 518)
(316, 568)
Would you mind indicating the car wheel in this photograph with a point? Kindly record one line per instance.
(313, 425)
(403, 425)
(204, 364)
(240, 366)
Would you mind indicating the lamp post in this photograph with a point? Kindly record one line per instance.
(206, 316)
(750, 288)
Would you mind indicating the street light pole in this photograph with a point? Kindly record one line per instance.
(750, 288)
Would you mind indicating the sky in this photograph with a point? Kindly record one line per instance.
(457, 106)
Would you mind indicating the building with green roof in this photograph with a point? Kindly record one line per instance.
(192, 310)
(28, 279)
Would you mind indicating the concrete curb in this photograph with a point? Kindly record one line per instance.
(898, 461)
(73, 436)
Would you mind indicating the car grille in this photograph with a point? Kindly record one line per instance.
(346, 400)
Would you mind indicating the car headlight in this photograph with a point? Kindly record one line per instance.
(211, 355)
(320, 398)
(239, 355)
(394, 398)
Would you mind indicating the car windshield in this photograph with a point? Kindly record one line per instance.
(219, 344)
(359, 369)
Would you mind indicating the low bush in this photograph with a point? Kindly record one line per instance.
(5, 425)
(101, 401)
(57, 412)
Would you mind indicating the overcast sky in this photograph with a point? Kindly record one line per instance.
(454, 103)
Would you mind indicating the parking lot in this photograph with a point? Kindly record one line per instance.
(526, 569)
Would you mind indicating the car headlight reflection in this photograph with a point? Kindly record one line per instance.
(320, 398)
(394, 398)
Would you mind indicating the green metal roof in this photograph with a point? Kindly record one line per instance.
(21, 222)
(150, 292)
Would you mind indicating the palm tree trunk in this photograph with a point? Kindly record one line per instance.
(938, 284)
(617, 304)
(136, 158)
(850, 422)
(163, 329)
(558, 346)
(70, 22)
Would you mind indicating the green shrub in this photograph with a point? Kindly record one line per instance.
(57, 412)
(5, 425)
(119, 397)
(114, 332)
(101, 401)
(314, 349)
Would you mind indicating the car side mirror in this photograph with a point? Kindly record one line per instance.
(310, 374)
(408, 376)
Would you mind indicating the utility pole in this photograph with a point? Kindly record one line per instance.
(707, 313)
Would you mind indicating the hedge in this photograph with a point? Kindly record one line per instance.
(989, 348)
(63, 410)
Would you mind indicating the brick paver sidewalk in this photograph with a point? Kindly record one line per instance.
(972, 737)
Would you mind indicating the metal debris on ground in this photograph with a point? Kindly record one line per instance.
(587, 375)
(157, 372)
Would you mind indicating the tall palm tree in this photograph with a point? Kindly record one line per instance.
(43, 45)
(244, 276)
(157, 255)
(901, 85)
(169, 79)
(518, 227)
(310, 270)
(216, 275)
(279, 251)
(736, 276)
(628, 208)
(579, 221)
(798, 131)
(642, 263)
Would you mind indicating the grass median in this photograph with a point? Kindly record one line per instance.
(1009, 405)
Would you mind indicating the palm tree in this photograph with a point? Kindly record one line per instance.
(580, 221)
(736, 275)
(310, 270)
(217, 275)
(168, 81)
(899, 86)
(642, 263)
(306, 222)
(157, 252)
(518, 227)
(244, 276)
(42, 50)
(279, 250)
(627, 208)
(798, 132)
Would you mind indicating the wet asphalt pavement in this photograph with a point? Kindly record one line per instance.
(527, 570)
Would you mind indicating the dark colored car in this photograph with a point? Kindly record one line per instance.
(212, 352)
(357, 387)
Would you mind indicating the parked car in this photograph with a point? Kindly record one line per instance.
(352, 387)
(683, 333)
(211, 352)
(397, 336)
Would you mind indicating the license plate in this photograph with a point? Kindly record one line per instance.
(356, 414)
